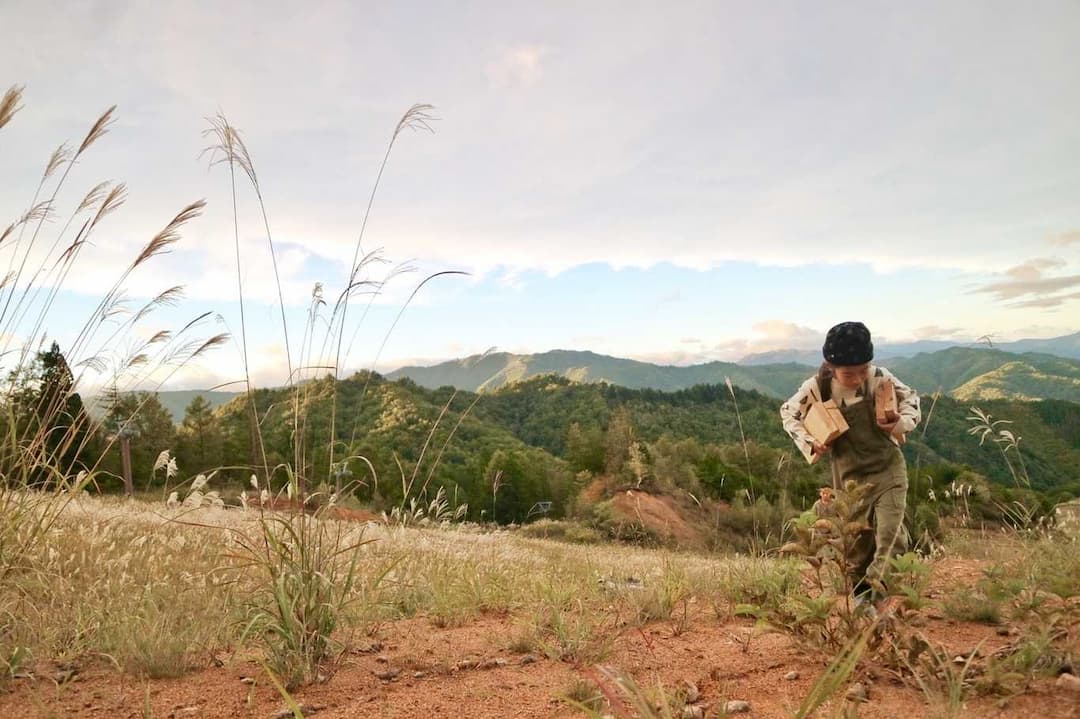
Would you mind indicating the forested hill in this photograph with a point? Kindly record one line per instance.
(541, 411)
(541, 434)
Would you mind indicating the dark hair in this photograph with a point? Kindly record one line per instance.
(824, 381)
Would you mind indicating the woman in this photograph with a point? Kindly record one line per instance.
(868, 453)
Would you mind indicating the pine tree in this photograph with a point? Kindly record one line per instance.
(199, 440)
(149, 429)
(47, 432)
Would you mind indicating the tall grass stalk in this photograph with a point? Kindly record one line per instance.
(36, 437)
(416, 118)
(837, 672)
(746, 455)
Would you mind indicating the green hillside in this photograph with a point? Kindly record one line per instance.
(972, 374)
(1020, 380)
(542, 410)
(539, 434)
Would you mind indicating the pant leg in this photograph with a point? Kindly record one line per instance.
(890, 535)
(859, 552)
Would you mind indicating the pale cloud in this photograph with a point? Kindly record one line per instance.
(1052, 301)
(677, 358)
(780, 334)
(517, 66)
(1066, 238)
(670, 297)
(768, 336)
(934, 332)
(1030, 285)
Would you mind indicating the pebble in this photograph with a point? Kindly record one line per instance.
(693, 711)
(418, 675)
(382, 659)
(791, 676)
(736, 706)
(528, 659)
(492, 663)
(1070, 682)
(247, 680)
(858, 693)
(65, 675)
(305, 709)
(692, 692)
(386, 674)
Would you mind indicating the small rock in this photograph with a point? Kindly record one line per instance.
(418, 675)
(247, 680)
(492, 663)
(736, 706)
(65, 675)
(369, 648)
(857, 693)
(692, 692)
(528, 659)
(1003, 631)
(466, 664)
(386, 674)
(305, 709)
(382, 659)
(693, 711)
(791, 676)
(1069, 682)
(959, 659)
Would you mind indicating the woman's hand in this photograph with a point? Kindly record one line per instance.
(819, 449)
(888, 423)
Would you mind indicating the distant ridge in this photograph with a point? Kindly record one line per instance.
(969, 373)
(1067, 346)
(497, 369)
(176, 401)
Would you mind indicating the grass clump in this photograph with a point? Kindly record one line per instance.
(966, 605)
(562, 531)
(306, 570)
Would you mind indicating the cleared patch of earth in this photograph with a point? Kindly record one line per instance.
(412, 668)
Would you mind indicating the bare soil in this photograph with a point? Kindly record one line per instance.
(411, 668)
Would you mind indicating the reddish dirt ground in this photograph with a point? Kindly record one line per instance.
(467, 671)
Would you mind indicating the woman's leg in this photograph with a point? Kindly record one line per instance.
(890, 537)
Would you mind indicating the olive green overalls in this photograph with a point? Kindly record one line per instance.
(867, 455)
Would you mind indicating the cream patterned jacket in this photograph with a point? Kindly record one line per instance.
(793, 411)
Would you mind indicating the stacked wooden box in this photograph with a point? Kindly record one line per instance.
(825, 422)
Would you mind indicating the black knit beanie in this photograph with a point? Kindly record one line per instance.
(848, 344)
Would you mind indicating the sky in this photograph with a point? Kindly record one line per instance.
(674, 182)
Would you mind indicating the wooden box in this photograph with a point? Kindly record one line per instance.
(885, 401)
(825, 422)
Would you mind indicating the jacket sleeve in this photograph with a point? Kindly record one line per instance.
(907, 404)
(794, 410)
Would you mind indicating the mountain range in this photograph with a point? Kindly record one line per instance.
(966, 373)
(1067, 346)
(1024, 370)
